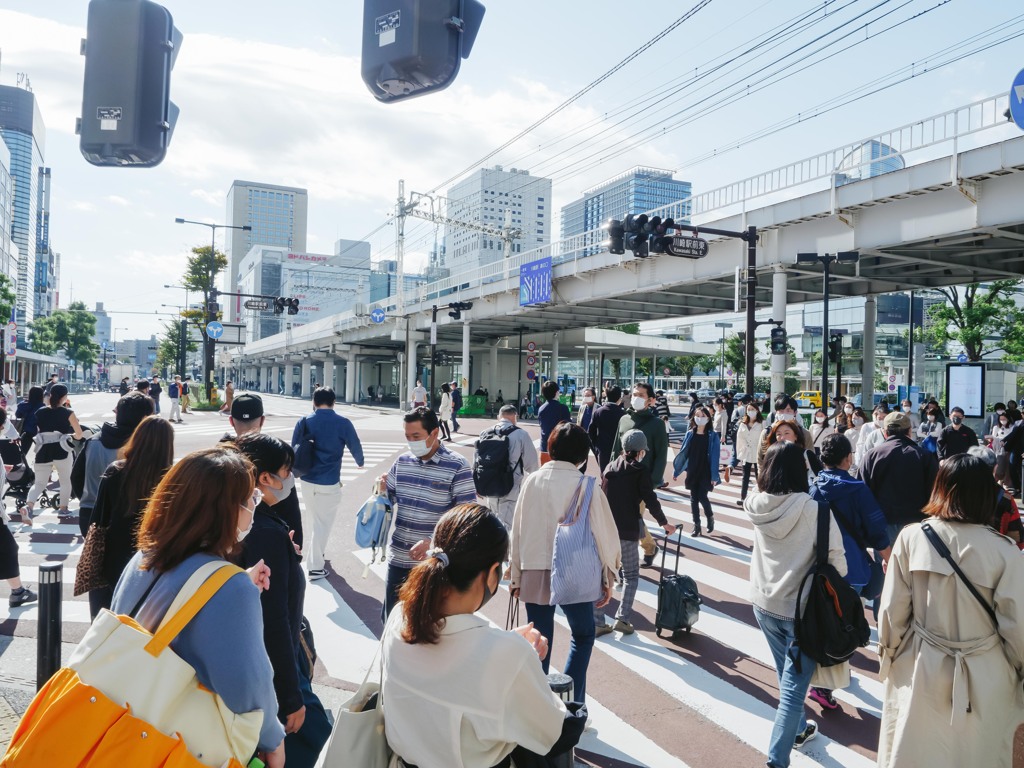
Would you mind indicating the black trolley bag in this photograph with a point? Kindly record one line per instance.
(678, 598)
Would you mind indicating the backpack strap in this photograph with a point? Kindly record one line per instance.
(197, 592)
(824, 517)
(940, 547)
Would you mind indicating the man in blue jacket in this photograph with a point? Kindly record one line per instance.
(331, 433)
(862, 524)
(551, 414)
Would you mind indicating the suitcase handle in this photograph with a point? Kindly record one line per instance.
(679, 549)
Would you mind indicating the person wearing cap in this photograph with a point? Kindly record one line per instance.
(332, 434)
(522, 458)
(627, 482)
(246, 415)
(957, 437)
(900, 474)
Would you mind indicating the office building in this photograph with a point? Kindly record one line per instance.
(637, 191)
(103, 326)
(384, 282)
(47, 266)
(321, 287)
(22, 129)
(8, 250)
(870, 159)
(494, 197)
(277, 216)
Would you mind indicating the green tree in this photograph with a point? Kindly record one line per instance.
(70, 330)
(630, 328)
(168, 347)
(982, 319)
(201, 271)
(708, 363)
(7, 298)
(685, 365)
(736, 352)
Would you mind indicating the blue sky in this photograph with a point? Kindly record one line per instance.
(272, 92)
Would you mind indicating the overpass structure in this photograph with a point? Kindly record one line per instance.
(952, 214)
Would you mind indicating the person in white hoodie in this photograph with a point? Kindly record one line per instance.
(785, 525)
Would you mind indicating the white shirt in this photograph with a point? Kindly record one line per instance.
(469, 699)
(419, 394)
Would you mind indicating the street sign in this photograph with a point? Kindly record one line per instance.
(104, 346)
(531, 346)
(261, 305)
(961, 358)
(214, 329)
(531, 374)
(666, 371)
(535, 282)
(1017, 100)
(378, 315)
(688, 246)
(531, 360)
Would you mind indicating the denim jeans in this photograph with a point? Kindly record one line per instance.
(396, 578)
(581, 624)
(793, 684)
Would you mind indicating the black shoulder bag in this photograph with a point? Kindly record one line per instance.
(940, 547)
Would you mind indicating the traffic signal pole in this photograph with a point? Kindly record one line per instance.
(433, 355)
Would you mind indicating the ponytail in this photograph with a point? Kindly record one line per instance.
(468, 540)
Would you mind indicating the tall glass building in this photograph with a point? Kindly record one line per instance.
(22, 129)
(277, 216)
(8, 251)
(637, 191)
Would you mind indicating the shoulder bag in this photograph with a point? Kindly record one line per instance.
(126, 699)
(305, 452)
(576, 569)
(940, 547)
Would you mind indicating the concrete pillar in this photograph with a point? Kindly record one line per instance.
(867, 381)
(275, 379)
(328, 374)
(586, 368)
(466, 387)
(351, 364)
(554, 356)
(289, 377)
(411, 353)
(265, 379)
(779, 362)
(307, 371)
(494, 382)
(632, 370)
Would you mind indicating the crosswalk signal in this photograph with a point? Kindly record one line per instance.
(293, 306)
(413, 47)
(615, 243)
(637, 237)
(778, 341)
(127, 116)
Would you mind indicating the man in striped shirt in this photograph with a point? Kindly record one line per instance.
(422, 485)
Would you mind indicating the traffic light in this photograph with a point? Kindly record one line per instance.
(458, 307)
(616, 237)
(660, 237)
(280, 305)
(637, 235)
(293, 306)
(127, 116)
(835, 347)
(412, 47)
(778, 341)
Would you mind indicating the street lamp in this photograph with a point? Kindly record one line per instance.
(826, 260)
(721, 367)
(211, 315)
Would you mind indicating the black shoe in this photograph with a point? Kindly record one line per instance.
(649, 559)
(711, 524)
(808, 733)
(696, 532)
(25, 595)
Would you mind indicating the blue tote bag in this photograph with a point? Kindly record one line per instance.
(575, 564)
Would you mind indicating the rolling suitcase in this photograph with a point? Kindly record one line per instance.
(678, 598)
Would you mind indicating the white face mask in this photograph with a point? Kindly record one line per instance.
(638, 403)
(242, 534)
(700, 421)
(785, 416)
(752, 412)
(906, 409)
(858, 421)
(931, 417)
(588, 399)
(419, 448)
(820, 419)
(848, 410)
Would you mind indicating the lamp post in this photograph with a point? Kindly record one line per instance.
(826, 260)
(211, 295)
(721, 367)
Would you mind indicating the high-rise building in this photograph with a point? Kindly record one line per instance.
(22, 129)
(103, 326)
(47, 267)
(870, 159)
(637, 191)
(277, 216)
(384, 281)
(8, 250)
(495, 197)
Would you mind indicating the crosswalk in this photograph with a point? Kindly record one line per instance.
(720, 676)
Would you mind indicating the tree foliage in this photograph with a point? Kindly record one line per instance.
(201, 271)
(70, 330)
(984, 319)
(168, 347)
(7, 298)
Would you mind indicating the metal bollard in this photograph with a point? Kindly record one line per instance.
(48, 638)
(561, 686)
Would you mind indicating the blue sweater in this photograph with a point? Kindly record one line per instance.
(551, 414)
(855, 502)
(223, 643)
(333, 433)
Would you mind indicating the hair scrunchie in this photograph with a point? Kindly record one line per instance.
(440, 555)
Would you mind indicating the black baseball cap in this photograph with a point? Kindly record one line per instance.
(247, 407)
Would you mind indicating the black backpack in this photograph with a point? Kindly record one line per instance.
(493, 472)
(833, 625)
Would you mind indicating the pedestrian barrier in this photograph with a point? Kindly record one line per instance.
(561, 686)
(48, 639)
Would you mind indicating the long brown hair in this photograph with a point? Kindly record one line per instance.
(147, 455)
(195, 508)
(473, 540)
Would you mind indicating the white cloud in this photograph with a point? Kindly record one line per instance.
(118, 200)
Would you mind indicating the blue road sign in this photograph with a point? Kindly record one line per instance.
(961, 358)
(1017, 100)
(378, 315)
(214, 329)
(103, 346)
(535, 282)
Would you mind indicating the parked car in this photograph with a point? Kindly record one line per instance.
(808, 398)
(706, 394)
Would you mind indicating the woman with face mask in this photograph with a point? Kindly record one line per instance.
(1000, 429)
(929, 429)
(748, 437)
(586, 412)
(699, 458)
(444, 412)
(820, 429)
(457, 690)
(856, 422)
(197, 515)
(121, 497)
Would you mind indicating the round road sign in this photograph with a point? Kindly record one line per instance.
(531, 360)
(666, 371)
(531, 374)
(961, 358)
(531, 346)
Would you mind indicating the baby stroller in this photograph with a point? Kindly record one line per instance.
(20, 475)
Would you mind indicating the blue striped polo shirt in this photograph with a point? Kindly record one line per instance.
(422, 491)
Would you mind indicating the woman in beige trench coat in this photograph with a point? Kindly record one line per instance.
(952, 677)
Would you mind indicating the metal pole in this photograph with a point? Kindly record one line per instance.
(519, 388)
(751, 238)
(721, 366)
(910, 348)
(182, 345)
(839, 366)
(431, 394)
(825, 261)
(48, 631)
(210, 317)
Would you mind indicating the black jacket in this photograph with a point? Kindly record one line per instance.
(626, 484)
(604, 426)
(900, 474)
(953, 441)
(282, 603)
